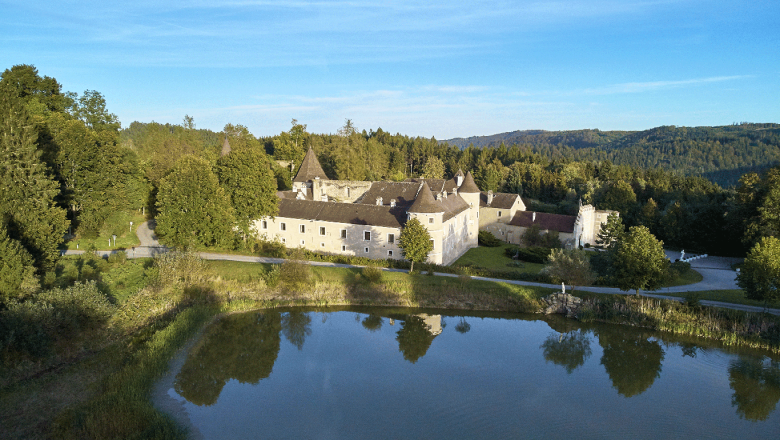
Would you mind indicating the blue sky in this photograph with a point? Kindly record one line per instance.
(421, 68)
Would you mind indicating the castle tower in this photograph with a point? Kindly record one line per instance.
(309, 172)
(470, 193)
(431, 214)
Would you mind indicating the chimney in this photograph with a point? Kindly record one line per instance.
(490, 197)
(459, 180)
(392, 203)
(454, 191)
(533, 217)
(444, 193)
(378, 200)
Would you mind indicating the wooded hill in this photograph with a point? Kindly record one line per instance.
(721, 154)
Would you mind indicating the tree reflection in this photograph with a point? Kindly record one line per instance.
(631, 360)
(462, 326)
(756, 385)
(569, 350)
(372, 322)
(242, 347)
(295, 327)
(416, 335)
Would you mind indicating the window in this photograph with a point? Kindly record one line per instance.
(284, 240)
(367, 236)
(303, 229)
(389, 253)
(322, 230)
(391, 238)
(283, 226)
(265, 224)
(366, 250)
(433, 244)
(499, 213)
(343, 233)
(343, 248)
(303, 242)
(430, 220)
(322, 244)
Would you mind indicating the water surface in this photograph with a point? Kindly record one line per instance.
(389, 373)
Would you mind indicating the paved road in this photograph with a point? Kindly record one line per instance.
(716, 271)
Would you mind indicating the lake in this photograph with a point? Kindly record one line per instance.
(411, 373)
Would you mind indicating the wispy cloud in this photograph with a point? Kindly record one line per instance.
(639, 87)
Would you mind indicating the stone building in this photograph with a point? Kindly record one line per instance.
(366, 218)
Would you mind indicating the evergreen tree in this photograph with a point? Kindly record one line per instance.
(17, 273)
(433, 168)
(27, 194)
(611, 231)
(193, 209)
(415, 242)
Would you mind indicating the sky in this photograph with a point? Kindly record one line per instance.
(419, 68)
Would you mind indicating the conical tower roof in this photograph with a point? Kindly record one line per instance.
(225, 147)
(425, 203)
(468, 187)
(310, 168)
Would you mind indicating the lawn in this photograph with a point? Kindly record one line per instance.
(126, 240)
(494, 258)
(734, 296)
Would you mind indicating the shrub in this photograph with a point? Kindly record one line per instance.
(272, 276)
(117, 257)
(179, 266)
(372, 274)
(295, 273)
(485, 238)
(535, 254)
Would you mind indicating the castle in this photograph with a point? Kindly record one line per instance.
(365, 218)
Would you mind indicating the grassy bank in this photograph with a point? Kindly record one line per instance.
(103, 389)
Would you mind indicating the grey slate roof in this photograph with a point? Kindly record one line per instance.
(551, 222)
(469, 186)
(352, 213)
(310, 168)
(500, 200)
(404, 193)
(425, 203)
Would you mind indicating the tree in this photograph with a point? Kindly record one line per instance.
(570, 267)
(760, 275)
(610, 232)
(17, 273)
(756, 385)
(23, 82)
(433, 168)
(414, 338)
(619, 197)
(639, 261)
(632, 361)
(569, 350)
(415, 242)
(91, 109)
(246, 177)
(193, 209)
(27, 194)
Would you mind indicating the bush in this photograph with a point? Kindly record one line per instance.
(117, 257)
(272, 276)
(295, 273)
(372, 274)
(179, 266)
(485, 238)
(535, 254)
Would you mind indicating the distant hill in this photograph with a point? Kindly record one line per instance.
(721, 153)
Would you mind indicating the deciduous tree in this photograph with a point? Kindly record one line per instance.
(193, 209)
(415, 242)
(760, 275)
(246, 177)
(639, 261)
(571, 267)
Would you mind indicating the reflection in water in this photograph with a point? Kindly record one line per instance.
(372, 322)
(416, 335)
(462, 326)
(756, 385)
(631, 360)
(295, 327)
(242, 347)
(569, 350)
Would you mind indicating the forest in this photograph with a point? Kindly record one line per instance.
(721, 154)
